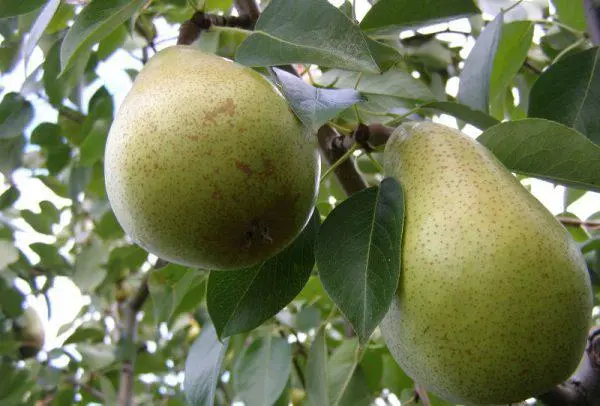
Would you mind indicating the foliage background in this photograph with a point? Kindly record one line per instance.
(63, 252)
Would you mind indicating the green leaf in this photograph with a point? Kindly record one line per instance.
(571, 13)
(394, 82)
(15, 115)
(96, 356)
(359, 260)
(308, 31)
(263, 371)
(569, 92)
(38, 28)
(393, 377)
(510, 55)
(546, 150)
(92, 149)
(96, 21)
(8, 253)
(314, 106)
(474, 117)
(316, 371)
(237, 300)
(572, 195)
(50, 258)
(10, 8)
(346, 381)
(474, 87)
(169, 286)
(86, 333)
(89, 266)
(9, 197)
(203, 366)
(11, 154)
(390, 16)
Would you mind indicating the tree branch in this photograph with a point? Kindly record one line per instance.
(573, 222)
(248, 7)
(583, 388)
(592, 17)
(128, 334)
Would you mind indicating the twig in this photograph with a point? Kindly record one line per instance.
(88, 388)
(128, 333)
(297, 367)
(573, 222)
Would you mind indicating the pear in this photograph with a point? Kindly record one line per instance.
(205, 164)
(494, 300)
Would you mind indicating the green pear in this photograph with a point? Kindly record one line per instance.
(205, 164)
(494, 299)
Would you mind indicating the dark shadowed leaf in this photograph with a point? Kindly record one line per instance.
(11, 150)
(569, 92)
(243, 299)
(263, 371)
(316, 371)
(308, 31)
(546, 150)
(8, 197)
(474, 117)
(510, 55)
(89, 266)
(474, 87)
(314, 106)
(15, 115)
(10, 8)
(97, 20)
(358, 254)
(388, 16)
(202, 367)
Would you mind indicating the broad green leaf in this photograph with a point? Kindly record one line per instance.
(394, 82)
(92, 149)
(571, 13)
(310, 32)
(15, 115)
(97, 20)
(37, 30)
(314, 106)
(11, 154)
(474, 117)
(86, 333)
(316, 371)
(569, 92)
(8, 253)
(474, 87)
(393, 377)
(10, 8)
(546, 150)
(572, 195)
(389, 16)
(89, 266)
(50, 258)
(263, 371)
(96, 356)
(9, 197)
(42, 222)
(218, 5)
(359, 260)
(510, 55)
(346, 380)
(203, 366)
(238, 301)
(169, 286)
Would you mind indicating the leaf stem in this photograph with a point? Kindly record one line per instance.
(341, 128)
(374, 161)
(337, 163)
(565, 27)
(568, 49)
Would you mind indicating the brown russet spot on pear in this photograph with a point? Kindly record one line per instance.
(183, 160)
(494, 300)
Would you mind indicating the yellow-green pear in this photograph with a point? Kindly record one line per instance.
(206, 165)
(494, 300)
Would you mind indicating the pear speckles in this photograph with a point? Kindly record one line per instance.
(487, 265)
(202, 147)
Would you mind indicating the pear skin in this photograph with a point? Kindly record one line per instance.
(494, 300)
(206, 166)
